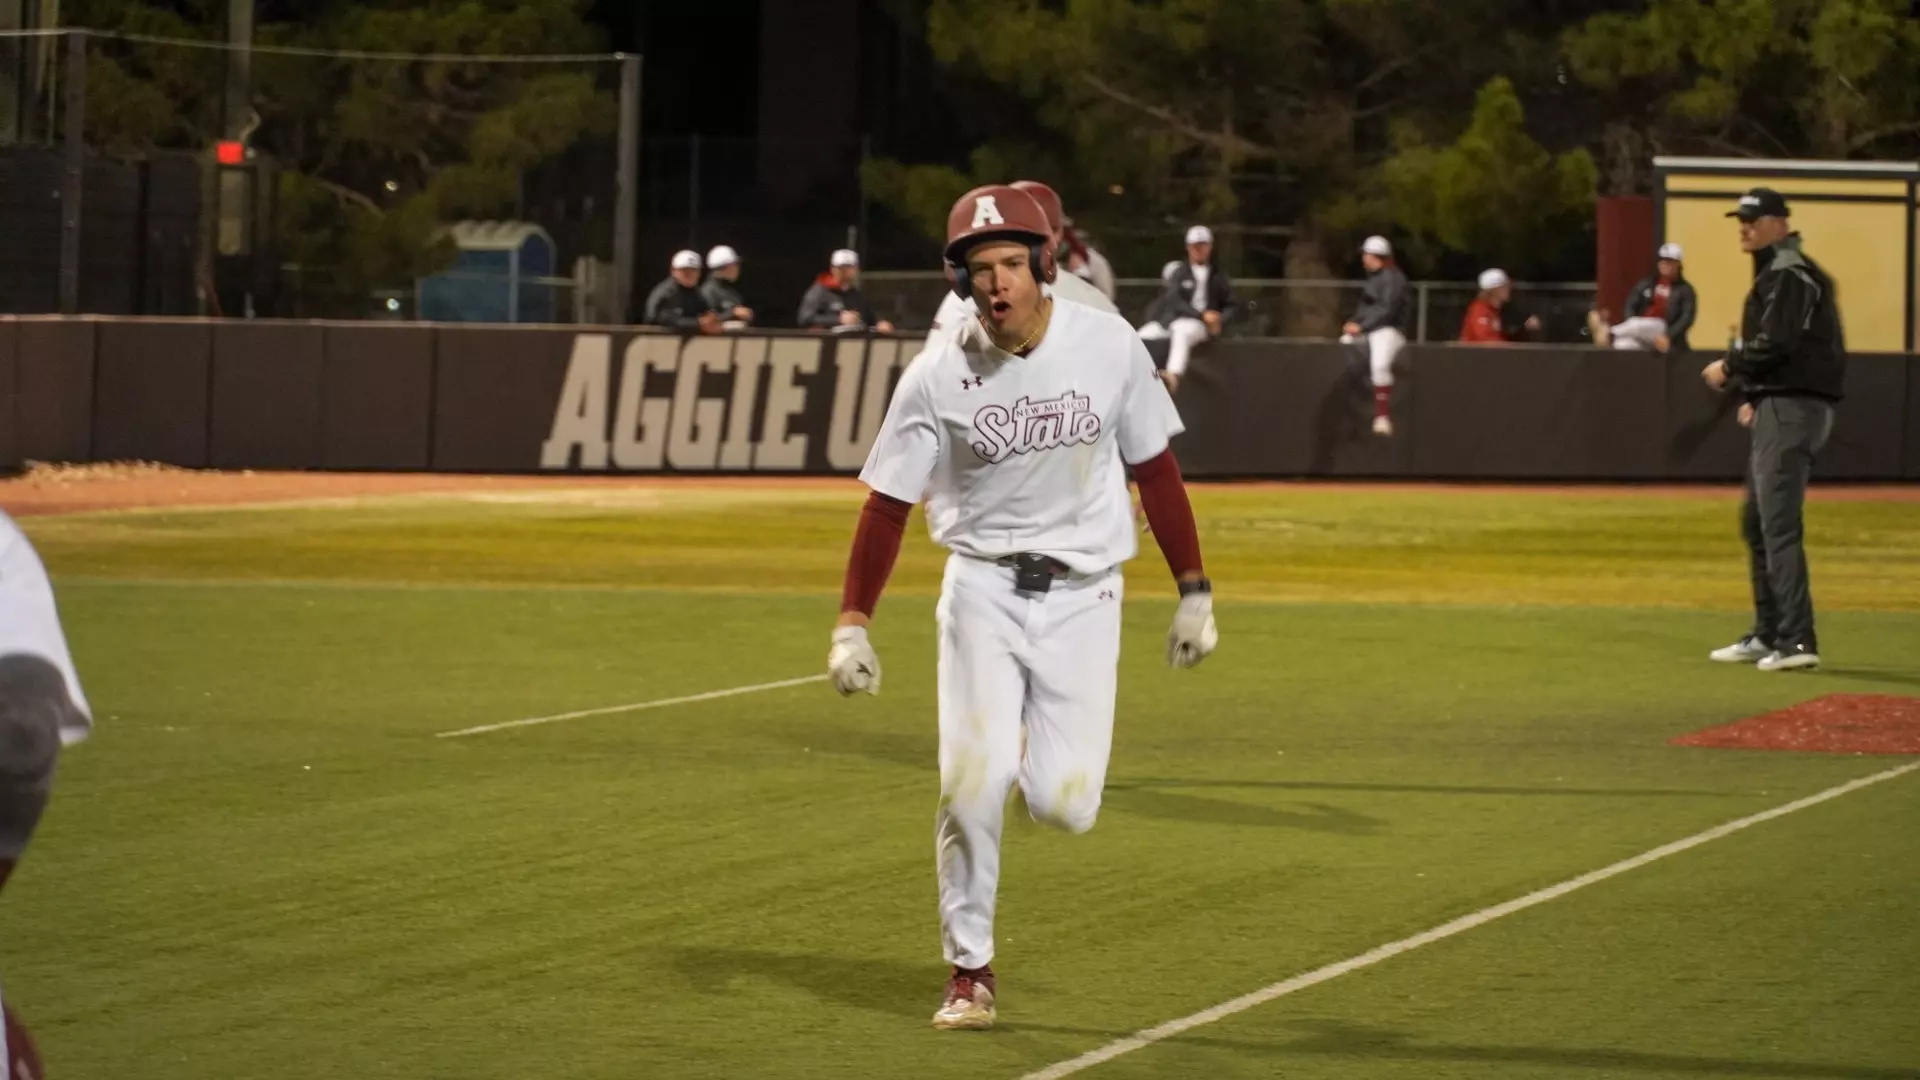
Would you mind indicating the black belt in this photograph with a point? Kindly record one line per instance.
(1034, 572)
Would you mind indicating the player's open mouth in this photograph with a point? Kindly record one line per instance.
(1001, 307)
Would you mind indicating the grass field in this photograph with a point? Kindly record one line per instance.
(266, 866)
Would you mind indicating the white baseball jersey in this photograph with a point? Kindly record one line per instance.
(30, 623)
(958, 312)
(1098, 271)
(1027, 453)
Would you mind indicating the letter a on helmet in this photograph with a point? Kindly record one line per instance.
(986, 211)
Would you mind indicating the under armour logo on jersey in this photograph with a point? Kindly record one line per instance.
(986, 211)
(1106, 594)
(974, 383)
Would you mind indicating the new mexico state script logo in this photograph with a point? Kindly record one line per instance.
(1031, 426)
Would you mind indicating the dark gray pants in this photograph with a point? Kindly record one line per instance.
(33, 702)
(1788, 433)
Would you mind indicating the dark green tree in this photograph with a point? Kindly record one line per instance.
(1830, 79)
(1298, 124)
(1492, 191)
(377, 155)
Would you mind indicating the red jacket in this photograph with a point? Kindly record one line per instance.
(1482, 323)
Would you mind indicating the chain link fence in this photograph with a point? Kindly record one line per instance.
(182, 176)
(149, 175)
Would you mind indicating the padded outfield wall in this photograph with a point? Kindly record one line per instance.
(311, 395)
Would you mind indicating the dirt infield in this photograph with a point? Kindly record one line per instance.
(1834, 724)
(82, 488)
(69, 489)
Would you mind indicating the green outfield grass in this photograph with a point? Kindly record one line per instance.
(265, 865)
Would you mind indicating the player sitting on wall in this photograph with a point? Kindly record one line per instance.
(835, 303)
(1382, 320)
(1660, 309)
(677, 303)
(1194, 303)
(1485, 323)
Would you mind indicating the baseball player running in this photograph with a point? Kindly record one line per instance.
(959, 314)
(41, 709)
(1019, 438)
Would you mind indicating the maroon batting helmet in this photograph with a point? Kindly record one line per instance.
(997, 212)
(1048, 199)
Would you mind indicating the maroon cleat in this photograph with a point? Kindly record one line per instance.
(969, 1004)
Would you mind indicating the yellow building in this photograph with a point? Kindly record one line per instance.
(1857, 218)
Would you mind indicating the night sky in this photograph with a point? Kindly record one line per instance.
(621, 19)
(702, 61)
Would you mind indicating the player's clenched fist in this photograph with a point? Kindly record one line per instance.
(852, 662)
(1193, 635)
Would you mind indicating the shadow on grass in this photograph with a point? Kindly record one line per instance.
(1408, 789)
(885, 986)
(919, 752)
(1887, 676)
(1139, 798)
(1383, 1045)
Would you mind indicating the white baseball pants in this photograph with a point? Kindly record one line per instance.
(1383, 348)
(1637, 333)
(1185, 334)
(1012, 663)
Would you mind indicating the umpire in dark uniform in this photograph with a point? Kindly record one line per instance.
(1789, 367)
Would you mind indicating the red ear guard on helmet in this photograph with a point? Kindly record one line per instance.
(997, 212)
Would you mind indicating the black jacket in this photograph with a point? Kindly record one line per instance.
(1176, 299)
(1682, 306)
(1385, 301)
(1791, 341)
(723, 296)
(820, 308)
(675, 306)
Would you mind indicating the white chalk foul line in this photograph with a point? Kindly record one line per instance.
(1461, 925)
(637, 706)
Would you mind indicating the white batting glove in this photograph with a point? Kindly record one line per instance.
(852, 662)
(1193, 635)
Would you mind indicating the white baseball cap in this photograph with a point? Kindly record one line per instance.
(845, 257)
(722, 256)
(1377, 245)
(1199, 234)
(1670, 251)
(1493, 279)
(686, 260)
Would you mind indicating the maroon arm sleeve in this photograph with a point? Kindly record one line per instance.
(1164, 497)
(876, 544)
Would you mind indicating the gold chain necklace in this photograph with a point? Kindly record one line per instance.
(1046, 314)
